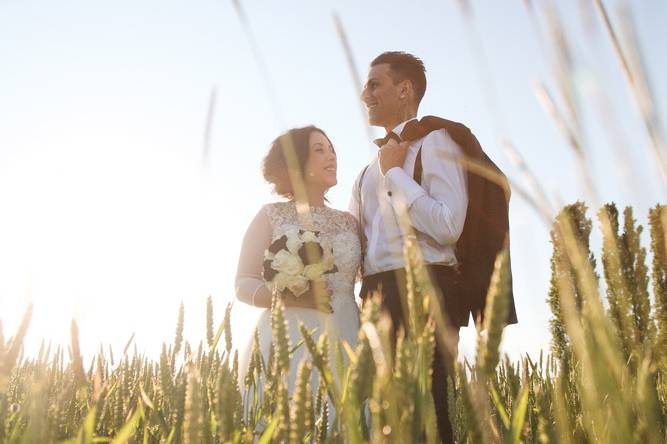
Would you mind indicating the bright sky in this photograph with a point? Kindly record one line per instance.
(109, 214)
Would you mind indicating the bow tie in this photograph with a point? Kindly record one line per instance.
(410, 132)
(384, 140)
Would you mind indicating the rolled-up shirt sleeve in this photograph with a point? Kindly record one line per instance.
(438, 207)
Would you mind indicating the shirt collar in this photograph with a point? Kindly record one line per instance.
(398, 128)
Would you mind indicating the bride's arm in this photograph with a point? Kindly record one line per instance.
(250, 287)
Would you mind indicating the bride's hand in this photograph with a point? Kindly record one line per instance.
(317, 297)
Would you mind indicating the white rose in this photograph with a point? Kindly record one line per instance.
(294, 242)
(298, 285)
(279, 282)
(313, 272)
(309, 236)
(285, 262)
(292, 232)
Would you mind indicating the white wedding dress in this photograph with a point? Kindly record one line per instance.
(343, 324)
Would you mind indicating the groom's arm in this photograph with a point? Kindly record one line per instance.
(438, 207)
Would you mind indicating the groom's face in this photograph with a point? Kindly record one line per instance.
(382, 97)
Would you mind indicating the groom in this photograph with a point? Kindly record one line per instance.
(460, 218)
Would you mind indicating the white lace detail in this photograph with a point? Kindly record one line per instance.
(339, 227)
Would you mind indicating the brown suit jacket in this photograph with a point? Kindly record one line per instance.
(486, 229)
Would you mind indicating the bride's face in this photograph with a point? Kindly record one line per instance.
(320, 169)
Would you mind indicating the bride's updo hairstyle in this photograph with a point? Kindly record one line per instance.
(274, 164)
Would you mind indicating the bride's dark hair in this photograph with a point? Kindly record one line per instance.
(274, 164)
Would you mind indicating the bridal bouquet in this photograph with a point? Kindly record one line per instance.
(296, 259)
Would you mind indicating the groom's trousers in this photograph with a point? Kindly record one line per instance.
(392, 286)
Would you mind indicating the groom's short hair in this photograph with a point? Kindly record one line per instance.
(405, 66)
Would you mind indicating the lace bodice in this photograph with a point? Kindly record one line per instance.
(337, 226)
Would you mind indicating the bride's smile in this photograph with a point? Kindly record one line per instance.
(321, 167)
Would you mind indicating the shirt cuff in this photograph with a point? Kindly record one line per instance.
(401, 188)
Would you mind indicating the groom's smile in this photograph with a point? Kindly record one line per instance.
(382, 97)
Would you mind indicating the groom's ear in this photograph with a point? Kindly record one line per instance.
(406, 90)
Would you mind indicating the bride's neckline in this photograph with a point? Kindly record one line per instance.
(311, 206)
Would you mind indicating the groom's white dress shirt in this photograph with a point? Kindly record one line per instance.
(437, 208)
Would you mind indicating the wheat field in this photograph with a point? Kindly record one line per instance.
(603, 381)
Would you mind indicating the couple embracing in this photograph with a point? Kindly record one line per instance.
(460, 219)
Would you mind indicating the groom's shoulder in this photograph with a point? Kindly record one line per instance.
(435, 126)
(435, 123)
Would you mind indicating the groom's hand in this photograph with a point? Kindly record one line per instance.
(391, 155)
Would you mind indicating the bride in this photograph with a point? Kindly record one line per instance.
(315, 159)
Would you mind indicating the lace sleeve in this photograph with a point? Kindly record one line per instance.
(249, 272)
(355, 226)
